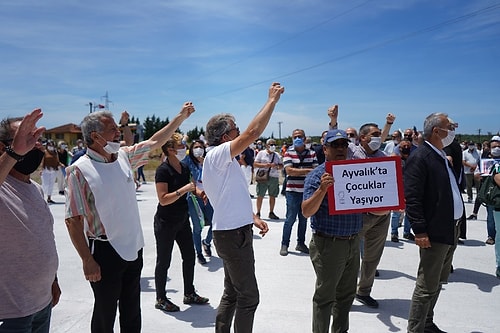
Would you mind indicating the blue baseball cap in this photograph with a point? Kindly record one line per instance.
(335, 134)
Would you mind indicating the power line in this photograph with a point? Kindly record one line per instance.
(369, 48)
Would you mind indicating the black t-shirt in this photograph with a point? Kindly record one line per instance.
(165, 173)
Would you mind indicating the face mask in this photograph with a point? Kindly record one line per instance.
(495, 152)
(462, 146)
(272, 148)
(353, 140)
(198, 152)
(181, 153)
(259, 147)
(308, 146)
(50, 148)
(252, 145)
(448, 139)
(298, 142)
(375, 143)
(471, 147)
(30, 162)
(111, 147)
(405, 151)
(64, 146)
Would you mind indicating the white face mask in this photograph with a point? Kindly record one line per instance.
(449, 138)
(50, 148)
(352, 139)
(308, 146)
(272, 148)
(181, 153)
(198, 152)
(111, 147)
(375, 143)
(495, 152)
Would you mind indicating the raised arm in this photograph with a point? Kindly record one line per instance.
(389, 120)
(259, 123)
(23, 140)
(160, 137)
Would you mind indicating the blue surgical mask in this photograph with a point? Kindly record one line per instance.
(298, 142)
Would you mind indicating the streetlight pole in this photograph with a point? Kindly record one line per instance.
(279, 128)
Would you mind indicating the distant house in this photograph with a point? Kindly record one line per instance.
(68, 133)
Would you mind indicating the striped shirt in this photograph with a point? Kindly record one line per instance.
(294, 159)
(322, 221)
(80, 200)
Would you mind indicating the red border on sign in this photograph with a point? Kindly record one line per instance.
(329, 165)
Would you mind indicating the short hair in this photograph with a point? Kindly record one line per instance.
(175, 138)
(299, 130)
(268, 142)
(93, 123)
(432, 120)
(365, 129)
(6, 127)
(217, 126)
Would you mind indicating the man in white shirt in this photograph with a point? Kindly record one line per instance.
(227, 189)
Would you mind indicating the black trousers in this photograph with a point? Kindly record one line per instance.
(119, 285)
(166, 233)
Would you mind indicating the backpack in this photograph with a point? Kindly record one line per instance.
(489, 192)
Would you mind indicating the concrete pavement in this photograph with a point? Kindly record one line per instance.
(469, 303)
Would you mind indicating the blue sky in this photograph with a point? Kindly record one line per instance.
(411, 58)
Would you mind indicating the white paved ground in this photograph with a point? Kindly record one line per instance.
(469, 303)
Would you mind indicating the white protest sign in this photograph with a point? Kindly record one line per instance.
(365, 185)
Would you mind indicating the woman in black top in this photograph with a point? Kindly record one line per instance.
(171, 224)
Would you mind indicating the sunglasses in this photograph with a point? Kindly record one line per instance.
(338, 144)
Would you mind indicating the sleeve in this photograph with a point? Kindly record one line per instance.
(162, 175)
(78, 193)
(138, 154)
(414, 188)
(311, 184)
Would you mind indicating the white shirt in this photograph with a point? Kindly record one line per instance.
(227, 189)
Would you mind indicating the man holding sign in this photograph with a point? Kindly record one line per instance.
(334, 247)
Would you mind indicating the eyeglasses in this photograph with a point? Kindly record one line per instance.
(237, 129)
(272, 145)
(338, 144)
(298, 137)
(351, 135)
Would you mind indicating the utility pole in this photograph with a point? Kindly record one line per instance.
(479, 131)
(106, 101)
(279, 128)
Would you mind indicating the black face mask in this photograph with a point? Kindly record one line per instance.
(405, 151)
(30, 162)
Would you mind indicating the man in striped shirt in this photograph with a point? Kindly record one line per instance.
(102, 216)
(298, 162)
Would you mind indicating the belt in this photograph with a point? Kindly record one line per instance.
(322, 234)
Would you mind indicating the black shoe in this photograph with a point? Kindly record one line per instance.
(394, 238)
(367, 300)
(166, 305)
(452, 269)
(409, 236)
(273, 216)
(302, 248)
(206, 248)
(433, 329)
(50, 201)
(377, 274)
(61, 192)
(472, 217)
(461, 242)
(194, 298)
(201, 259)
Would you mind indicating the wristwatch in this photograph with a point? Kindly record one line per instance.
(178, 193)
(13, 154)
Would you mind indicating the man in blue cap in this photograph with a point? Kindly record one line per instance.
(334, 247)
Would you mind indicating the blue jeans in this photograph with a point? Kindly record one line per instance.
(490, 222)
(38, 322)
(294, 209)
(208, 213)
(395, 223)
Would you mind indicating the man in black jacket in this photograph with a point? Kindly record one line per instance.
(434, 207)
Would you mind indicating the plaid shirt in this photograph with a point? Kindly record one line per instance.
(322, 221)
(80, 200)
